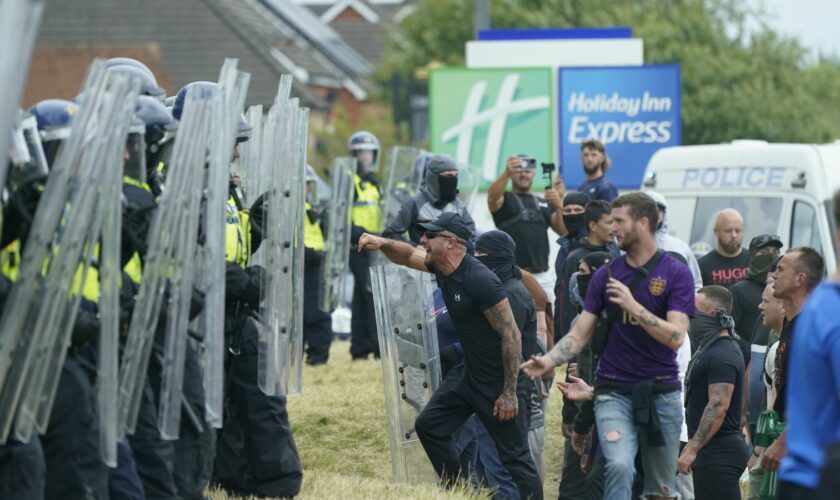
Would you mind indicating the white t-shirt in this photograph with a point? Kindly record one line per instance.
(770, 368)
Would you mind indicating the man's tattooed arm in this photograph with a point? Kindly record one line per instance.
(500, 317)
(720, 396)
(670, 332)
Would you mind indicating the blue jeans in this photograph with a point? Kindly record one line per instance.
(620, 439)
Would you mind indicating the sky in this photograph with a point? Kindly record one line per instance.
(815, 22)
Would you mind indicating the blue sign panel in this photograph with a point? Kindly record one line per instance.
(554, 33)
(633, 111)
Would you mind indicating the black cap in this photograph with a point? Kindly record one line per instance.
(765, 240)
(449, 221)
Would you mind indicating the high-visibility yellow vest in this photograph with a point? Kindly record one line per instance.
(366, 211)
(237, 234)
(10, 260)
(313, 237)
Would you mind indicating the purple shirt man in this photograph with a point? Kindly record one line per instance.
(631, 355)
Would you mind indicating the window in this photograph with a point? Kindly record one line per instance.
(762, 215)
(804, 231)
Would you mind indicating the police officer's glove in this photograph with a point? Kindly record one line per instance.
(258, 218)
(256, 286)
(20, 211)
(86, 328)
(236, 283)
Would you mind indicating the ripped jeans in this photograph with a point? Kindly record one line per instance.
(620, 438)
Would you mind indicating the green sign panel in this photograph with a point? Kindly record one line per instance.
(482, 116)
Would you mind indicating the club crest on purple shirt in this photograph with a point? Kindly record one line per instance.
(657, 286)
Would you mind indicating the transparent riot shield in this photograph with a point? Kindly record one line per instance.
(469, 180)
(227, 107)
(410, 363)
(76, 246)
(19, 21)
(107, 373)
(281, 332)
(401, 181)
(45, 298)
(177, 209)
(339, 227)
(251, 177)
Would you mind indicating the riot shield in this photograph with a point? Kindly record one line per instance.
(410, 363)
(248, 166)
(339, 226)
(281, 334)
(177, 213)
(469, 180)
(227, 107)
(19, 21)
(95, 189)
(401, 180)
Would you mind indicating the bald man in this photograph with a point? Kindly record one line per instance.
(729, 262)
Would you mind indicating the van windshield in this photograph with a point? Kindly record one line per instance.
(762, 215)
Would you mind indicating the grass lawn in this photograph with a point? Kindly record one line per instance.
(339, 424)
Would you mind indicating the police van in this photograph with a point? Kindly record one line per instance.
(779, 189)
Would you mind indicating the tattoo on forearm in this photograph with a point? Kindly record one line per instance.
(501, 319)
(563, 351)
(648, 318)
(713, 413)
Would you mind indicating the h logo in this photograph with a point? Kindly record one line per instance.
(496, 116)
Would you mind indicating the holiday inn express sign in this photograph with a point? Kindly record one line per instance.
(482, 116)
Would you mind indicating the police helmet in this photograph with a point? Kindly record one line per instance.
(150, 85)
(154, 114)
(206, 90)
(54, 117)
(364, 141)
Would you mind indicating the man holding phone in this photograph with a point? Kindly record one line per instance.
(526, 217)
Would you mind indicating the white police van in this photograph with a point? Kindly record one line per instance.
(780, 189)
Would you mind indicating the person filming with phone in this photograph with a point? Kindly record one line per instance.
(526, 217)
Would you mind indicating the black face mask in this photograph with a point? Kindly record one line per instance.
(448, 187)
(573, 222)
(503, 268)
(582, 283)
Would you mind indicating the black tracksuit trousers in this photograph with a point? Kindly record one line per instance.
(455, 400)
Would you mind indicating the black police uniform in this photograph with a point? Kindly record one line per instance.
(467, 292)
(255, 451)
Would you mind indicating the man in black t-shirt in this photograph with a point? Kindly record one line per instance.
(716, 451)
(490, 385)
(798, 272)
(728, 262)
(526, 217)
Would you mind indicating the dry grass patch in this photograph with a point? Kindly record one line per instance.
(340, 427)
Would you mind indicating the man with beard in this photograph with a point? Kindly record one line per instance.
(593, 156)
(526, 217)
(438, 194)
(489, 385)
(646, 298)
(716, 453)
(728, 262)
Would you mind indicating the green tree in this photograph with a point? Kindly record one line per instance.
(738, 81)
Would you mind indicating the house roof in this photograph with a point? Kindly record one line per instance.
(187, 40)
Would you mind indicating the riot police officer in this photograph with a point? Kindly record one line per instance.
(367, 217)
